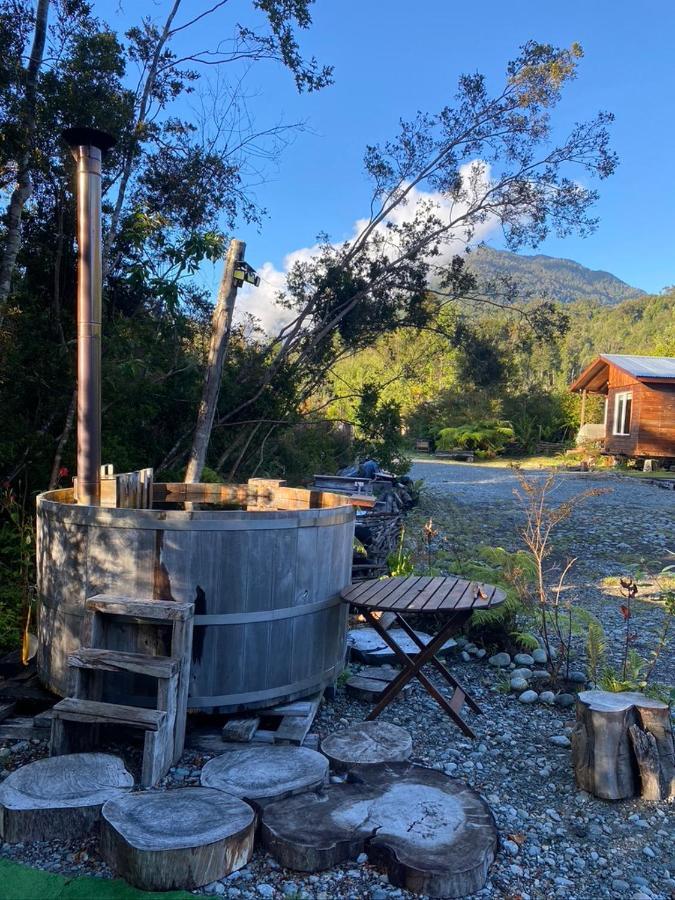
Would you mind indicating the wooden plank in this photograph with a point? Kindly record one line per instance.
(452, 599)
(434, 584)
(293, 729)
(420, 598)
(19, 728)
(299, 708)
(119, 661)
(240, 729)
(6, 710)
(402, 595)
(181, 649)
(164, 610)
(93, 711)
(43, 720)
(385, 587)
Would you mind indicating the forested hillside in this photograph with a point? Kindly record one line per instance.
(498, 369)
(549, 277)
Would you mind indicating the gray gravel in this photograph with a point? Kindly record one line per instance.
(555, 840)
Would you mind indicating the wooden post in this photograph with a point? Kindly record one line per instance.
(582, 417)
(220, 336)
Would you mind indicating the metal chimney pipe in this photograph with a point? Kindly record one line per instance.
(88, 146)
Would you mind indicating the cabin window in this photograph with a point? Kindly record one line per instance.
(622, 410)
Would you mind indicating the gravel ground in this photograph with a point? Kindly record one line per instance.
(555, 840)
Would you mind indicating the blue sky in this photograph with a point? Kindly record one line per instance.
(393, 57)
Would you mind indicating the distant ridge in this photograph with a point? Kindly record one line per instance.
(547, 277)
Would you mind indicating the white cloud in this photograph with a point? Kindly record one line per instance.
(262, 301)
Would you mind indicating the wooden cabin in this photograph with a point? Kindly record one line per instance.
(639, 396)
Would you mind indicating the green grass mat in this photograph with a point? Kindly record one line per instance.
(21, 883)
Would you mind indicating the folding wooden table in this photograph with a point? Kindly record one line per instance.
(449, 598)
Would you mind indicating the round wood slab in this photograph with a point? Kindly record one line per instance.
(185, 838)
(59, 796)
(371, 682)
(367, 744)
(432, 834)
(366, 645)
(261, 774)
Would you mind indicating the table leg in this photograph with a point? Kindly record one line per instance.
(412, 669)
(442, 637)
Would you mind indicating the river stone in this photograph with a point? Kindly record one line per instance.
(178, 839)
(523, 659)
(565, 700)
(367, 744)
(529, 697)
(521, 673)
(518, 684)
(577, 677)
(261, 774)
(547, 697)
(365, 645)
(539, 656)
(432, 834)
(539, 674)
(60, 795)
(501, 660)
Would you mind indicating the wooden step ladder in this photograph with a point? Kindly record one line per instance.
(164, 726)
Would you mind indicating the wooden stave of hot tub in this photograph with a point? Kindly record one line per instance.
(269, 624)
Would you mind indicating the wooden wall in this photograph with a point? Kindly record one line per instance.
(652, 429)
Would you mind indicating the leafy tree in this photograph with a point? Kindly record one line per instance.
(487, 157)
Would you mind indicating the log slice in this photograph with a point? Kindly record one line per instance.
(184, 838)
(265, 773)
(432, 834)
(367, 744)
(59, 796)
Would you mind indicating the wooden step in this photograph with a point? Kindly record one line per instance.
(95, 712)
(151, 610)
(123, 661)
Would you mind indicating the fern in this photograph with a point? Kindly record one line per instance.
(595, 650)
(525, 640)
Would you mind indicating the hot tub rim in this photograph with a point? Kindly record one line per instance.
(58, 505)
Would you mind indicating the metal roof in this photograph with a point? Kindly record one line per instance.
(643, 366)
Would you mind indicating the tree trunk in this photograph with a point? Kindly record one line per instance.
(24, 184)
(220, 336)
(63, 440)
(622, 746)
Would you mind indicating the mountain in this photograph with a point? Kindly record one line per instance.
(549, 278)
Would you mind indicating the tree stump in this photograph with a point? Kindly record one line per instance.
(62, 796)
(622, 746)
(367, 744)
(432, 834)
(185, 838)
(261, 774)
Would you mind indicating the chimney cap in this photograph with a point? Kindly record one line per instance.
(81, 136)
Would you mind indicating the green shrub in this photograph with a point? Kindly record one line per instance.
(17, 568)
(489, 437)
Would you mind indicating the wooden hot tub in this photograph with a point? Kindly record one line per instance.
(263, 564)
